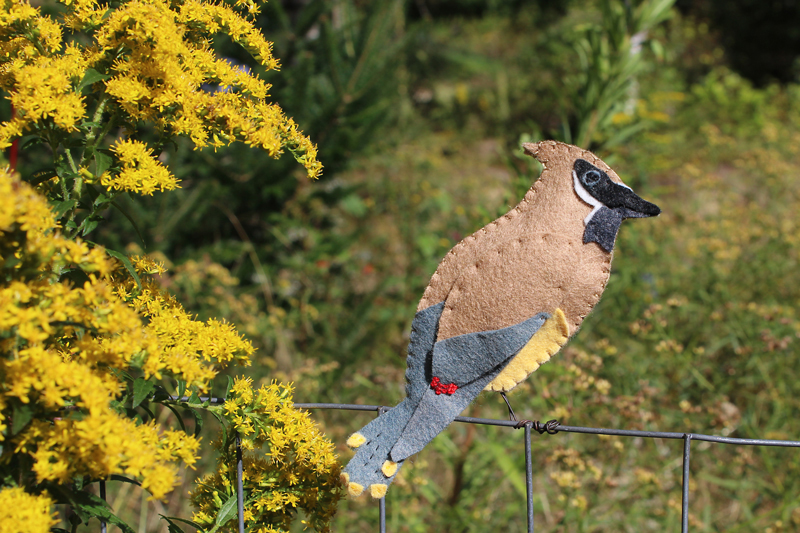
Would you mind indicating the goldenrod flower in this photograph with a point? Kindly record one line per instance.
(72, 351)
(65, 341)
(298, 471)
(141, 172)
(20, 511)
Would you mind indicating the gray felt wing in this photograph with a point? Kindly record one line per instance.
(470, 362)
(464, 358)
(423, 336)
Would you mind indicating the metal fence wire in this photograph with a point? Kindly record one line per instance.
(552, 427)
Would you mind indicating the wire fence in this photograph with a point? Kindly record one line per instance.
(551, 427)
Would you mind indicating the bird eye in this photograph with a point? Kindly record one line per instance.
(592, 177)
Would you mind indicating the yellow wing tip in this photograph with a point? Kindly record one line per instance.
(378, 490)
(545, 343)
(356, 440)
(562, 325)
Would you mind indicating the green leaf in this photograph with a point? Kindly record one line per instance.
(89, 124)
(128, 266)
(89, 224)
(227, 512)
(148, 411)
(10, 262)
(117, 477)
(229, 387)
(22, 415)
(101, 198)
(194, 398)
(198, 422)
(29, 142)
(75, 275)
(177, 415)
(91, 76)
(102, 162)
(173, 527)
(172, 519)
(141, 390)
(160, 395)
(181, 388)
(88, 506)
(61, 207)
(121, 374)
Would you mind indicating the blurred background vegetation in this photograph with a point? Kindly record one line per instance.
(419, 108)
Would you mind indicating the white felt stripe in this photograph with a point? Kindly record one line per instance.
(586, 197)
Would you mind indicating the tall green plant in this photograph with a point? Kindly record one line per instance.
(610, 61)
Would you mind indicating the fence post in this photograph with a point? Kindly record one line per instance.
(239, 483)
(687, 442)
(103, 526)
(529, 474)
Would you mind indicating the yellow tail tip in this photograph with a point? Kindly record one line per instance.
(378, 491)
(356, 440)
(389, 468)
(354, 489)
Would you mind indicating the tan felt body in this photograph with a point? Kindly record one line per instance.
(530, 260)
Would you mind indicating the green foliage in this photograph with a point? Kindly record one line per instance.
(610, 60)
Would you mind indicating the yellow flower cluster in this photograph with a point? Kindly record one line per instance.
(85, 333)
(160, 79)
(150, 61)
(141, 172)
(60, 344)
(298, 470)
(27, 240)
(188, 348)
(20, 511)
(83, 14)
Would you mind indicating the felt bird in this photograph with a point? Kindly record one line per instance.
(501, 303)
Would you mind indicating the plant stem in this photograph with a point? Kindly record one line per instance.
(92, 137)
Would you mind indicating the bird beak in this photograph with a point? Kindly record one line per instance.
(628, 204)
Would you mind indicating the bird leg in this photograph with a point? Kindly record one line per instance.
(511, 415)
(550, 427)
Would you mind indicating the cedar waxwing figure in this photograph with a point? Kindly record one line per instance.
(501, 303)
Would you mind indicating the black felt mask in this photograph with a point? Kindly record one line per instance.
(618, 203)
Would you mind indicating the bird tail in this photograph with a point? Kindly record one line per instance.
(371, 468)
